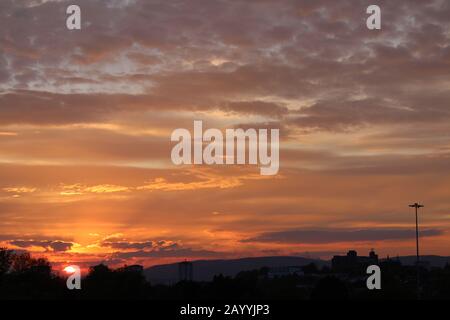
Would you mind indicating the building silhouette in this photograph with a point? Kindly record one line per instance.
(352, 263)
(185, 271)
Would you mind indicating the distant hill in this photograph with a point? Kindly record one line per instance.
(434, 261)
(205, 270)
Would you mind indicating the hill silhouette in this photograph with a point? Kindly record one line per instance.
(25, 277)
(205, 270)
(434, 261)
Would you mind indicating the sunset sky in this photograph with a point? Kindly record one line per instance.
(86, 118)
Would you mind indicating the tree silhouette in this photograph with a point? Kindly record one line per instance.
(25, 277)
(6, 260)
(105, 283)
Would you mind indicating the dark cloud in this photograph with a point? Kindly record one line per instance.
(57, 244)
(341, 115)
(119, 243)
(174, 253)
(53, 245)
(318, 236)
(127, 245)
(151, 249)
(50, 108)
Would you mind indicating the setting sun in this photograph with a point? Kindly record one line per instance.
(70, 269)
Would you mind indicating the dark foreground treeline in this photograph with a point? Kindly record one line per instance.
(24, 277)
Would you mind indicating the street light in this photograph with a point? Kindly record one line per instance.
(417, 206)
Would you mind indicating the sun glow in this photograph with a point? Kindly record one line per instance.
(70, 269)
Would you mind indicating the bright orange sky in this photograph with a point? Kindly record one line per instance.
(86, 118)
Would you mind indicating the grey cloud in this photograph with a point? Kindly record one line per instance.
(54, 245)
(257, 108)
(127, 244)
(319, 236)
(289, 50)
(58, 244)
(148, 245)
(175, 253)
(342, 115)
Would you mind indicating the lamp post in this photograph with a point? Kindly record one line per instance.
(417, 206)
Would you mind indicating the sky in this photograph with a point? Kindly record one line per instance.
(86, 117)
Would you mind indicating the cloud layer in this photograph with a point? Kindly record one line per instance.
(86, 117)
